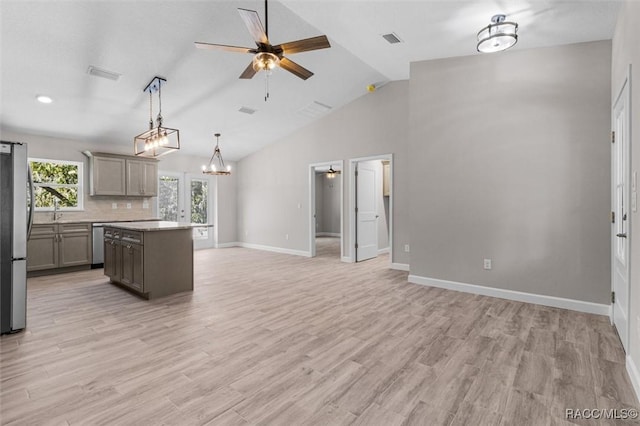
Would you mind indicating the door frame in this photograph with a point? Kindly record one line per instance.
(312, 205)
(185, 178)
(352, 203)
(626, 85)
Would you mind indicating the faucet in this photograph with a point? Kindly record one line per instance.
(56, 210)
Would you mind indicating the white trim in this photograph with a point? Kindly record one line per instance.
(80, 186)
(383, 250)
(519, 296)
(352, 202)
(400, 266)
(312, 205)
(227, 245)
(328, 234)
(634, 375)
(346, 259)
(275, 249)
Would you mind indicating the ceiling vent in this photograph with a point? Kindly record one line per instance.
(247, 110)
(98, 72)
(315, 109)
(392, 38)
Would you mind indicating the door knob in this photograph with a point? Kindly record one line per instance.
(621, 235)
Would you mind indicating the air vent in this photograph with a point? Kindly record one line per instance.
(247, 110)
(98, 72)
(392, 38)
(314, 109)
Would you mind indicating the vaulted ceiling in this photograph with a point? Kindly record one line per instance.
(47, 47)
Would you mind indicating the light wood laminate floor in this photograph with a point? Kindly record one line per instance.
(268, 338)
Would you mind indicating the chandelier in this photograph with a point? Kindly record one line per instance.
(216, 164)
(158, 140)
(498, 35)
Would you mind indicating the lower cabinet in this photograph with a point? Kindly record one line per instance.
(59, 245)
(124, 258)
(132, 266)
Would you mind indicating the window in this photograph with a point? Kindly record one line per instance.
(57, 181)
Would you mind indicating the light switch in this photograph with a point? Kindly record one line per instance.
(114, 206)
(128, 205)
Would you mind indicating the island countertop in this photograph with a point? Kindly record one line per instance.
(151, 226)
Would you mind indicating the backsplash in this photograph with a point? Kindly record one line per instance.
(100, 209)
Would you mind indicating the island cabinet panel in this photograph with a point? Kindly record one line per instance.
(152, 263)
(59, 245)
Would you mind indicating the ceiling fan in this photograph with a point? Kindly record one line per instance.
(267, 56)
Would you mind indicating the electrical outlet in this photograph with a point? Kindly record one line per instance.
(114, 206)
(286, 236)
(246, 233)
(487, 264)
(128, 205)
(145, 204)
(407, 249)
(299, 205)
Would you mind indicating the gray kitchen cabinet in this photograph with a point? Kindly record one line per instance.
(113, 174)
(59, 245)
(107, 175)
(142, 178)
(132, 266)
(112, 257)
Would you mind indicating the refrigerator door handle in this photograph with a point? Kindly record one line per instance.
(32, 202)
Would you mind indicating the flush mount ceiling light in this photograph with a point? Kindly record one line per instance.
(158, 140)
(331, 173)
(44, 99)
(498, 35)
(216, 164)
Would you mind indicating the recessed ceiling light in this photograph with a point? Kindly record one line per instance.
(44, 99)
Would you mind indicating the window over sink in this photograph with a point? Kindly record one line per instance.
(57, 182)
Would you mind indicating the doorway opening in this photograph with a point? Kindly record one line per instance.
(623, 196)
(325, 209)
(184, 197)
(371, 215)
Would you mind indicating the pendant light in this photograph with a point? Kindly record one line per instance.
(158, 140)
(216, 164)
(498, 35)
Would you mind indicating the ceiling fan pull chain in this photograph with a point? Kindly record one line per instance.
(266, 85)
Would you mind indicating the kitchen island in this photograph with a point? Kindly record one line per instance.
(152, 259)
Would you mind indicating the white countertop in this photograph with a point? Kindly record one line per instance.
(152, 226)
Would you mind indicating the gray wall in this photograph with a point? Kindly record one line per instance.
(328, 203)
(626, 51)
(373, 124)
(509, 160)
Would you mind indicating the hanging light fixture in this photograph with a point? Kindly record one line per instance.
(331, 174)
(498, 35)
(216, 164)
(158, 140)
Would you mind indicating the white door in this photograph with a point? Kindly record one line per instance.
(187, 198)
(366, 213)
(621, 219)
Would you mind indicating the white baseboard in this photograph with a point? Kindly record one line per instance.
(539, 299)
(400, 266)
(226, 245)
(275, 249)
(347, 259)
(634, 375)
(383, 250)
(328, 234)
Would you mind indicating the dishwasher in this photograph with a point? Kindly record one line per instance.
(98, 245)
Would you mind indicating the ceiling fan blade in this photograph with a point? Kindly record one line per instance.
(212, 46)
(294, 68)
(313, 43)
(254, 25)
(248, 72)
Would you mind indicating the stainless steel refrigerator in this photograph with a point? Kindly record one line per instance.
(16, 218)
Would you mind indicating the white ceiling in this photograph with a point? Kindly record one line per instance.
(47, 46)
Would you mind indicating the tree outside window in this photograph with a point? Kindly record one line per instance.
(57, 180)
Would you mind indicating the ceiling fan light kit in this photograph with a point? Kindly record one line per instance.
(499, 35)
(331, 173)
(216, 165)
(158, 140)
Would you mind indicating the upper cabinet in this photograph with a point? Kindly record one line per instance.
(112, 174)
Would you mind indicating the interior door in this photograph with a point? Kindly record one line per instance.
(366, 213)
(171, 197)
(621, 219)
